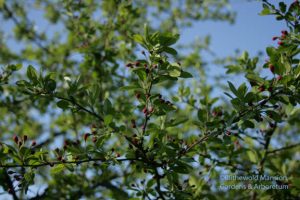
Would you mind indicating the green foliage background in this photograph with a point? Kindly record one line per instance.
(90, 115)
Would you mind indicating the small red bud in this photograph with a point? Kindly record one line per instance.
(280, 43)
(145, 110)
(33, 143)
(59, 158)
(112, 149)
(270, 89)
(284, 32)
(279, 78)
(137, 63)
(133, 124)
(85, 136)
(16, 139)
(272, 68)
(214, 113)
(25, 138)
(94, 139)
(129, 65)
(261, 88)
(228, 133)
(118, 155)
(274, 38)
(137, 95)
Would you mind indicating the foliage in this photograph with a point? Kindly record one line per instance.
(92, 116)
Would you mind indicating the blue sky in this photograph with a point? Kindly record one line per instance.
(250, 32)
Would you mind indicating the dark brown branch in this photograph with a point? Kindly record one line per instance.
(10, 185)
(79, 106)
(51, 163)
(158, 189)
(283, 148)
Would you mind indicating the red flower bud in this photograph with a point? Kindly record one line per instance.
(138, 95)
(129, 65)
(145, 110)
(280, 43)
(279, 78)
(284, 32)
(16, 139)
(272, 68)
(228, 133)
(274, 38)
(94, 139)
(25, 138)
(85, 136)
(33, 143)
(133, 124)
(270, 89)
(118, 155)
(137, 63)
(261, 88)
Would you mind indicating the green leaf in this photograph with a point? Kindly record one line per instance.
(202, 115)
(57, 168)
(107, 108)
(139, 39)
(185, 74)
(174, 71)
(282, 7)
(255, 78)
(15, 67)
(232, 88)
(63, 104)
(50, 85)
(168, 39)
(130, 87)
(108, 119)
(170, 51)
(265, 11)
(247, 124)
(32, 74)
(146, 32)
(242, 90)
(252, 156)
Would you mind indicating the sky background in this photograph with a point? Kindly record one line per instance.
(250, 31)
